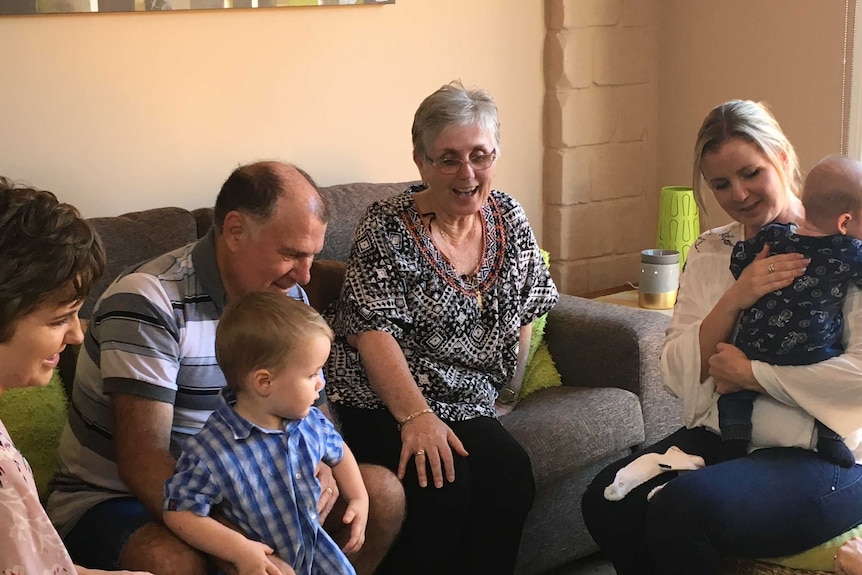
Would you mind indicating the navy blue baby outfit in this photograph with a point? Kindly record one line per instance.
(798, 325)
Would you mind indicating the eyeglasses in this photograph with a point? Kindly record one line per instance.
(450, 166)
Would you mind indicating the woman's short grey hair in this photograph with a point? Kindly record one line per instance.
(752, 122)
(453, 105)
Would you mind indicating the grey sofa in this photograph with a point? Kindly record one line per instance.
(612, 399)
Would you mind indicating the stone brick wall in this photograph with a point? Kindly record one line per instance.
(601, 92)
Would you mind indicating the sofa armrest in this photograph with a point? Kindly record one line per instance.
(596, 344)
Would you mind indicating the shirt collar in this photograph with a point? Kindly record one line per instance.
(240, 426)
(206, 268)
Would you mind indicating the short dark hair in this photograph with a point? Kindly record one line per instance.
(260, 330)
(47, 250)
(255, 188)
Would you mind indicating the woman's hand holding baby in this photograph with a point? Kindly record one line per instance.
(764, 275)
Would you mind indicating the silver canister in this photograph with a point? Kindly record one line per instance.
(659, 281)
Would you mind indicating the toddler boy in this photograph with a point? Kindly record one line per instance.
(254, 460)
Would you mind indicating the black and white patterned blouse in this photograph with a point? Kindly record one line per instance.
(459, 334)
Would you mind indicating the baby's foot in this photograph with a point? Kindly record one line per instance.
(834, 450)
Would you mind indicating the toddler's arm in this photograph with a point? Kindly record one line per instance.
(350, 484)
(211, 537)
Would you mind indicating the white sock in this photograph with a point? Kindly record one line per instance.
(654, 490)
(648, 466)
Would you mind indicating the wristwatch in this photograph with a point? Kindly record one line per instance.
(506, 396)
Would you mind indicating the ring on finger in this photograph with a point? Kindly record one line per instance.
(329, 489)
(420, 452)
(770, 268)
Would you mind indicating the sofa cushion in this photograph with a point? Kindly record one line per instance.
(136, 237)
(346, 204)
(566, 428)
(540, 372)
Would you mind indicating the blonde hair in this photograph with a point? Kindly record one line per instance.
(752, 122)
(260, 330)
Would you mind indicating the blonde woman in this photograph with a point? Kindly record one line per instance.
(781, 498)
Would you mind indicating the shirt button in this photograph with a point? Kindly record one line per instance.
(313, 515)
(298, 475)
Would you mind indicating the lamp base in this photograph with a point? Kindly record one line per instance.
(664, 300)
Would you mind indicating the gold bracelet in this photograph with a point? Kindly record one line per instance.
(413, 416)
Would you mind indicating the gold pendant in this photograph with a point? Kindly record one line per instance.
(479, 299)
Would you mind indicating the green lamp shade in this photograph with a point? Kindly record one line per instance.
(678, 221)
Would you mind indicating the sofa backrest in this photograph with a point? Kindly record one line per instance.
(136, 237)
(346, 204)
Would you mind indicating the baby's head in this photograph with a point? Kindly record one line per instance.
(273, 346)
(832, 196)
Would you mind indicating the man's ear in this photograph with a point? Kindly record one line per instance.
(843, 221)
(261, 382)
(234, 228)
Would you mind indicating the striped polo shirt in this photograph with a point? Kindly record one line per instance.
(152, 334)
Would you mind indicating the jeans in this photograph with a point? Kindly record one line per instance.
(773, 502)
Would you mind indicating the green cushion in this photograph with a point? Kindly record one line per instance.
(818, 558)
(541, 371)
(34, 417)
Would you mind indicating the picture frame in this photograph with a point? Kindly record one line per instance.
(19, 7)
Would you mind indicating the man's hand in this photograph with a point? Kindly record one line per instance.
(328, 490)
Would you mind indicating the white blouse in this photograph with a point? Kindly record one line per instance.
(830, 391)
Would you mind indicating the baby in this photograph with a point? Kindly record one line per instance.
(255, 458)
(802, 324)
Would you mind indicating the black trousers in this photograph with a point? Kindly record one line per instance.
(472, 526)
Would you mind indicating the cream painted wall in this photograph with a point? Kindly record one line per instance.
(788, 53)
(119, 112)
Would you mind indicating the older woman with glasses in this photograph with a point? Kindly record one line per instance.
(433, 329)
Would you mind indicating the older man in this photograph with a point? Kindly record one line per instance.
(147, 378)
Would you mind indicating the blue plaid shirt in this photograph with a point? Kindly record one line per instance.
(263, 482)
